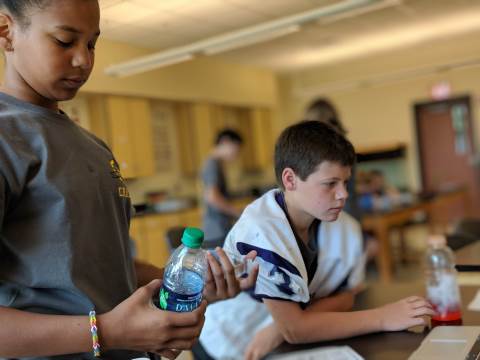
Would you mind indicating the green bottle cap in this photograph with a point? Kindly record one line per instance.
(192, 237)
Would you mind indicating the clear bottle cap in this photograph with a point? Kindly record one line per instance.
(436, 241)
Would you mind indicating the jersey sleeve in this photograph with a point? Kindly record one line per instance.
(279, 276)
(357, 273)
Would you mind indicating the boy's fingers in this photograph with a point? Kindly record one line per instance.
(229, 272)
(251, 255)
(421, 303)
(424, 311)
(217, 274)
(415, 298)
(251, 279)
(418, 321)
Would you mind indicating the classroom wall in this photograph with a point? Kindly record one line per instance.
(204, 79)
(201, 79)
(382, 113)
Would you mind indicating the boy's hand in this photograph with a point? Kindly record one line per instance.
(404, 314)
(136, 324)
(221, 282)
(263, 342)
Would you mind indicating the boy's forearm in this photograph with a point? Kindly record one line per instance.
(25, 334)
(342, 301)
(322, 326)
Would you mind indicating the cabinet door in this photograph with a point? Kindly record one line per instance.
(204, 130)
(262, 134)
(186, 140)
(191, 218)
(121, 140)
(140, 125)
(156, 229)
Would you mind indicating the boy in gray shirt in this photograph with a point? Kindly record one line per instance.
(218, 212)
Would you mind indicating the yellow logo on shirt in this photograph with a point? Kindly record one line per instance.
(116, 174)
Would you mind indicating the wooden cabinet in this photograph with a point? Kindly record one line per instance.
(125, 124)
(197, 125)
(263, 140)
(149, 233)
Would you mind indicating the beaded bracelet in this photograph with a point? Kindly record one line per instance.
(94, 330)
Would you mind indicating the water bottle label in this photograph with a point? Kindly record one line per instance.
(172, 301)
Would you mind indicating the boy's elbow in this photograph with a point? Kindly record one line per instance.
(292, 334)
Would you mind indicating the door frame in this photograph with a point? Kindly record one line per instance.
(466, 99)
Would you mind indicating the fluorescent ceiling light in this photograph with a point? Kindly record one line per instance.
(401, 36)
(146, 64)
(229, 41)
(360, 11)
(235, 44)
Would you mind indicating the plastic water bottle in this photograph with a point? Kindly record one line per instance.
(185, 274)
(441, 281)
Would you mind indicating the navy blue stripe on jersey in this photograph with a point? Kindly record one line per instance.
(268, 256)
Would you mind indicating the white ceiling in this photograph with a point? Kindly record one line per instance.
(164, 24)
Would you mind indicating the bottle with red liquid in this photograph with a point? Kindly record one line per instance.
(441, 282)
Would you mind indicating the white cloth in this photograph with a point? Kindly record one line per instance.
(230, 325)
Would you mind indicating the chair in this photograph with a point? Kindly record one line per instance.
(174, 237)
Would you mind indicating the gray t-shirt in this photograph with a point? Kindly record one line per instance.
(216, 224)
(64, 218)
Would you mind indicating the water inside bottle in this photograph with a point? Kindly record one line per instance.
(186, 296)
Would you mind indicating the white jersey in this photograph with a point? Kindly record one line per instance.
(230, 325)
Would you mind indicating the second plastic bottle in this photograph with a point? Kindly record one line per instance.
(441, 283)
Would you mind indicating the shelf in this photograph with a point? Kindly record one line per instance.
(385, 152)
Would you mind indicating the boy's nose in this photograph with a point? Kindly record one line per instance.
(342, 192)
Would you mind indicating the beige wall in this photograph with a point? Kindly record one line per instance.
(201, 79)
(383, 113)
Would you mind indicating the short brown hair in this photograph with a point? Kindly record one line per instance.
(305, 145)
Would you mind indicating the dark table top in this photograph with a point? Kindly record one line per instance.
(389, 345)
(468, 257)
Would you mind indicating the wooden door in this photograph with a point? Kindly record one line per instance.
(446, 148)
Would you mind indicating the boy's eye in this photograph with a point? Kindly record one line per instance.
(91, 45)
(64, 44)
(330, 184)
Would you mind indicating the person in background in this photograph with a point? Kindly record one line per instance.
(310, 257)
(219, 213)
(323, 110)
(375, 194)
(67, 276)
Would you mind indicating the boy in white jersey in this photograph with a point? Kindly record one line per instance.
(310, 256)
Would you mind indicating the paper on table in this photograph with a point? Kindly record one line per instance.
(475, 303)
(324, 353)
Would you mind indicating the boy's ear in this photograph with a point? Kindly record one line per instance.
(5, 32)
(289, 179)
